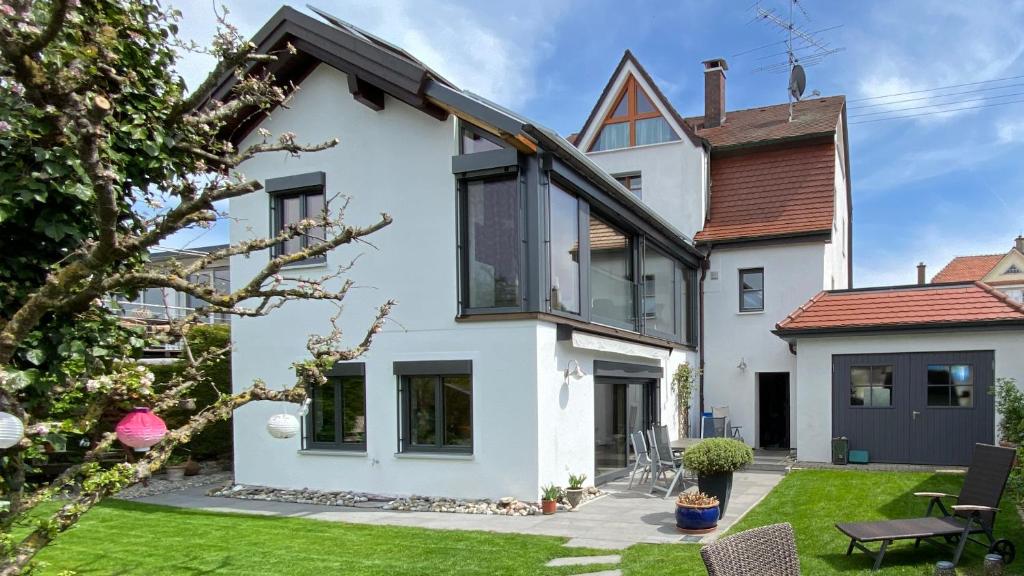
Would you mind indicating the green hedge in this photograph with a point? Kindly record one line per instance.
(717, 455)
(215, 441)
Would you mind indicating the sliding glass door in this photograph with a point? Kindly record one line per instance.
(621, 406)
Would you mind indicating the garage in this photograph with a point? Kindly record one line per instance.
(925, 407)
(904, 373)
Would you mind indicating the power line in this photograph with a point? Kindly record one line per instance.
(938, 112)
(938, 88)
(938, 96)
(986, 98)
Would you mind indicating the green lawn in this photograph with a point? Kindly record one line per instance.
(128, 538)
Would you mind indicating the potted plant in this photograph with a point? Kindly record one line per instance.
(175, 468)
(574, 493)
(714, 460)
(549, 498)
(696, 512)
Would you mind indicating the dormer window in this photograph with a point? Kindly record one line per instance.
(633, 121)
(1013, 269)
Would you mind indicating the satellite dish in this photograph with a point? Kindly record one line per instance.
(797, 82)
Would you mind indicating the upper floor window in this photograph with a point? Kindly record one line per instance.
(491, 245)
(1013, 269)
(293, 199)
(752, 290)
(564, 212)
(633, 183)
(633, 121)
(664, 293)
(612, 287)
(474, 140)
(337, 414)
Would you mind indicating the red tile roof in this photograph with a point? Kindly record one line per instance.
(931, 305)
(968, 268)
(771, 123)
(781, 191)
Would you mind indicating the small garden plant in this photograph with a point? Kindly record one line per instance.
(695, 499)
(717, 456)
(551, 493)
(576, 481)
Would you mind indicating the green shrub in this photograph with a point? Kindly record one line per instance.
(576, 481)
(1010, 404)
(215, 441)
(550, 492)
(717, 455)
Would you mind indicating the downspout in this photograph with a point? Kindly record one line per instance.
(704, 266)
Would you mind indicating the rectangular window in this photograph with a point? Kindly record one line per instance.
(632, 183)
(660, 291)
(564, 215)
(492, 245)
(752, 290)
(951, 385)
(871, 386)
(291, 208)
(612, 287)
(337, 412)
(437, 410)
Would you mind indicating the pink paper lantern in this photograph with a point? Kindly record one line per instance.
(141, 429)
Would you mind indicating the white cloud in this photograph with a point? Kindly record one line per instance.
(1010, 131)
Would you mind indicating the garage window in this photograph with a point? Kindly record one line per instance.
(951, 385)
(871, 386)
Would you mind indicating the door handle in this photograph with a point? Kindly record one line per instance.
(914, 414)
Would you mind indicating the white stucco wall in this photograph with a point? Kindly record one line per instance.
(814, 372)
(837, 252)
(396, 161)
(793, 274)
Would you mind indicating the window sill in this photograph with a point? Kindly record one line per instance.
(634, 147)
(434, 456)
(325, 452)
(749, 312)
(306, 264)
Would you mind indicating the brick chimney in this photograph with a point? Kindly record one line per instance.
(921, 281)
(1019, 241)
(714, 92)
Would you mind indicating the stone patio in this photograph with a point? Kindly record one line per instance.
(617, 520)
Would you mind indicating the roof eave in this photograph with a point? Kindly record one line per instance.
(772, 141)
(823, 233)
(789, 333)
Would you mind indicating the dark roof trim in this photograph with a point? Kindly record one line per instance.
(607, 368)
(924, 326)
(773, 141)
(936, 285)
(784, 238)
(628, 57)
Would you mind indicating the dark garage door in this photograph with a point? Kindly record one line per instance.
(919, 408)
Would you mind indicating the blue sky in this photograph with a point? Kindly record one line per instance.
(926, 188)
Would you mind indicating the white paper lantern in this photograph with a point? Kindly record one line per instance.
(283, 426)
(11, 430)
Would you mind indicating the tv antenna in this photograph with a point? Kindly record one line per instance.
(803, 48)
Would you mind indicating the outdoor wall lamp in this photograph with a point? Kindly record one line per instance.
(573, 369)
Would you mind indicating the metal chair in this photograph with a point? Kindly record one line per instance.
(663, 459)
(765, 550)
(642, 463)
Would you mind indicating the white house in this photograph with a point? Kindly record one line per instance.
(1005, 272)
(645, 241)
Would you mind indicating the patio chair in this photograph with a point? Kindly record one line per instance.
(764, 550)
(642, 463)
(974, 513)
(664, 460)
(712, 427)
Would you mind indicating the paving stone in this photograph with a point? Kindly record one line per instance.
(603, 573)
(585, 560)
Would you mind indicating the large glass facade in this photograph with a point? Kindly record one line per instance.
(492, 243)
(612, 288)
(620, 408)
(660, 292)
(565, 251)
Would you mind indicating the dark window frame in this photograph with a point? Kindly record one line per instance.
(629, 179)
(480, 135)
(300, 186)
(462, 186)
(871, 385)
(635, 251)
(337, 376)
(949, 387)
(437, 370)
(583, 245)
(743, 272)
(680, 325)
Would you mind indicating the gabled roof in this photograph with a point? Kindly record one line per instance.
(627, 57)
(771, 124)
(782, 191)
(968, 268)
(903, 307)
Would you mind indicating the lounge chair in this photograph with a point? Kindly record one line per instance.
(642, 463)
(768, 550)
(974, 513)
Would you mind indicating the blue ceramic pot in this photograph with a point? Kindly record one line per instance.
(696, 519)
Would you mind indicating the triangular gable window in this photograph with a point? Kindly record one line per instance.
(634, 121)
(1013, 269)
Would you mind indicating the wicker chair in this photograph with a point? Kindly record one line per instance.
(765, 551)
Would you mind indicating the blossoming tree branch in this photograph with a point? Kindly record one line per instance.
(104, 154)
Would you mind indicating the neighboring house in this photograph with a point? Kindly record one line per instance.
(1004, 272)
(903, 372)
(155, 308)
(644, 241)
(767, 199)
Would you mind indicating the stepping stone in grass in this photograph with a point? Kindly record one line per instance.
(586, 560)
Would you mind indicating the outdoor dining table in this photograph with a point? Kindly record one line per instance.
(683, 443)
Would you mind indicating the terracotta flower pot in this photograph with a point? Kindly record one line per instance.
(548, 506)
(176, 473)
